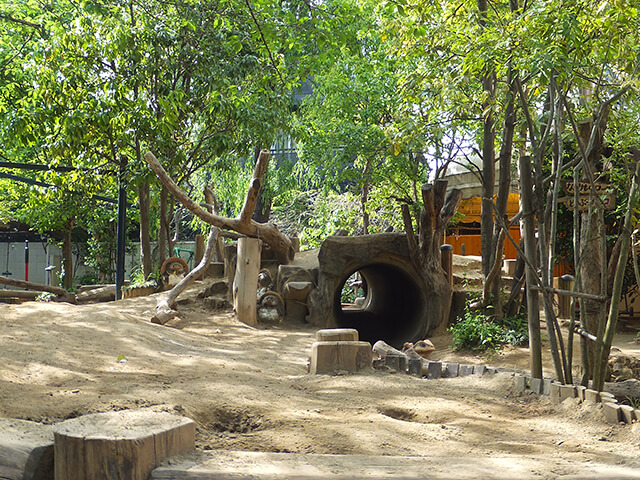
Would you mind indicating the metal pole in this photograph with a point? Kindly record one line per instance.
(26, 260)
(121, 229)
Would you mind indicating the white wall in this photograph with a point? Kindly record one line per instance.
(42, 255)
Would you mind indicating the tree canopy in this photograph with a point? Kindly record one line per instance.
(401, 89)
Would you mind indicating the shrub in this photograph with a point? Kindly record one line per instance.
(516, 330)
(477, 332)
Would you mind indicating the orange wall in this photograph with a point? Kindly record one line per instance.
(472, 247)
(472, 244)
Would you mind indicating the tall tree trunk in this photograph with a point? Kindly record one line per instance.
(145, 236)
(364, 197)
(539, 142)
(163, 232)
(629, 224)
(591, 260)
(504, 188)
(531, 254)
(67, 255)
(488, 159)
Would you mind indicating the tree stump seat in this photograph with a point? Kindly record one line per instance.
(127, 444)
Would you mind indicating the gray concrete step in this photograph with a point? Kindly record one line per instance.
(234, 465)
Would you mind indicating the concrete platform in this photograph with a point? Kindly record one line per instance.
(26, 450)
(228, 465)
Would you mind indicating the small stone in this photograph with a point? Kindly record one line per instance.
(434, 369)
(567, 391)
(536, 385)
(554, 393)
(628, 413)
(464, 370)
(415, 367)
(611, 412)
(591, 395)
(450, 370)
(520, 382)
(396, 362)
(479, 369)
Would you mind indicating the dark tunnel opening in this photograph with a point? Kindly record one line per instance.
(393, 309)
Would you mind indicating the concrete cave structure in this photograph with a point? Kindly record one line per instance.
(395, 306)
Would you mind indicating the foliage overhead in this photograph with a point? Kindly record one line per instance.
(397, 92)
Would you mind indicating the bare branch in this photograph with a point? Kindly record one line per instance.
(6, 16)
(279, 243)
(264, 41)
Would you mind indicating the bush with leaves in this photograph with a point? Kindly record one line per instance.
(478, 332)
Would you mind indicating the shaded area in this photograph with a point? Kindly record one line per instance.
(393, 310)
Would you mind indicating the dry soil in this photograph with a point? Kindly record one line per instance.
(248, 389)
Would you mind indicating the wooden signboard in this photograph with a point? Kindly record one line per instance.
(608, 200)
(584, 188)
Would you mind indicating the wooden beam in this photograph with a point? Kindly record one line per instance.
(60, 292)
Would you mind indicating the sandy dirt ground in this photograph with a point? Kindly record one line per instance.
(248, 389)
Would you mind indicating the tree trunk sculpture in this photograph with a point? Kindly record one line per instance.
(425, 248)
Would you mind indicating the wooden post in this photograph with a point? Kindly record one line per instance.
(446, 255)
(199, 250)
(246, 281)
(565, 282)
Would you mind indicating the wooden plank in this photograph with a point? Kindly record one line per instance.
(584, 188)
(337, 334)
(608, 200)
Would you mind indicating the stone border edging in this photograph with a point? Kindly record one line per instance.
(613, 412)
(430, 369)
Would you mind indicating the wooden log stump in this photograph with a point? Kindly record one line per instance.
(199, 250)
(351, 356)
(127, 444)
